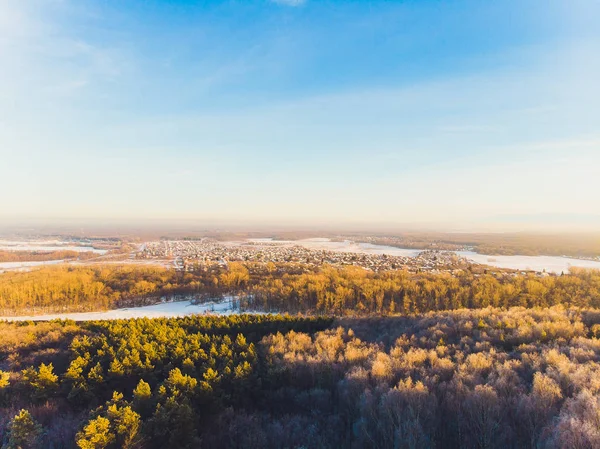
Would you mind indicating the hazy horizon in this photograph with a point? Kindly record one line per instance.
(463, 116)
(179, 226)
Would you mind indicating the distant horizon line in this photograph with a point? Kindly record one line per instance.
(526, 224)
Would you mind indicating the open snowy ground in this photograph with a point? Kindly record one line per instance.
(167, 310)
(46, 245)
(552, 264)
(19, 265)
(344, 246)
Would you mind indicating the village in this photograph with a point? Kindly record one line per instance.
(188, 254)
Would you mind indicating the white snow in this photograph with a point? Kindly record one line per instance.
(552, 264)
(19, 265)
(166, 309)
(344, 246)
(46, 245)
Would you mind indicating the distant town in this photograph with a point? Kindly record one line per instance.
(187, 254)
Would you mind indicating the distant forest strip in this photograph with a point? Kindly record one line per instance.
(290, 288)
(573, 245)
(43, 256)
(471, 379)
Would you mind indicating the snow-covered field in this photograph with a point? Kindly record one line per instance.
(45, 245)
(167, 310)
(41, 246)
(348, 246)
(20, 265)
(552, 264)
(345, 246)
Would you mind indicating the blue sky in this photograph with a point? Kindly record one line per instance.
(462, 114)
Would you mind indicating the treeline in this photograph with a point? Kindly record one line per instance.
(486, 378)
(72, 288)
(585, 245)
(352, 290)
(291, 288)
(95, 287)
(43, 256)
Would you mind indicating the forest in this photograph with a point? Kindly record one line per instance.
(464, 359)
(42, 256)
(291, 288)
(485, 378)
(584, 245)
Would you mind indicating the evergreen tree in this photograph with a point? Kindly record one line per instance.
(96, 434)
(116, 426)
(23, 432)
(96, 374)
(125, 423)
(179, 383)
(4, 379)
(173, 425)
(43, 382)
(142, 398)
(142, 392)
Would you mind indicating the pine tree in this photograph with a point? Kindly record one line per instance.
(43, 382)
(4, 379)
(125, 423)
(179, 383)
(23, 432)
(188, 366)
(96, 374)
(173, 425)
(116, 368)
(95, 435)
(142, 398)
(142, 392)
(47, 380)
(117, 426)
